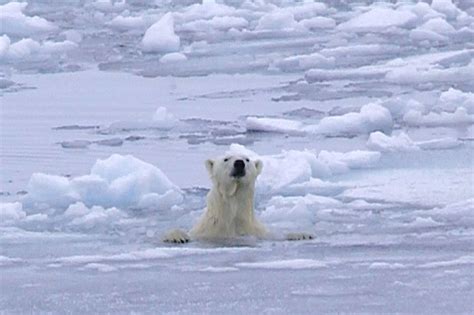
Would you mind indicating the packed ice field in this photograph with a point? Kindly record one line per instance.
(362, 113)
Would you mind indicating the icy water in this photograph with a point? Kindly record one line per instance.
(362, 115)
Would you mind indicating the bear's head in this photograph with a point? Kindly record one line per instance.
(234, 169)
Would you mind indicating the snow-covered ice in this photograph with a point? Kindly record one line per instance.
(361, 111)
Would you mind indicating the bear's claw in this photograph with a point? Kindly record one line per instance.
(299, 236)
(176, 236)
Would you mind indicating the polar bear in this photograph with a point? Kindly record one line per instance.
(230, 203)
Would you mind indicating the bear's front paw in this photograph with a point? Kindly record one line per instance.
(299, 236)
(176, 236)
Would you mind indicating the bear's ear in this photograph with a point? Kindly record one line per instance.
(258, 166)
(209, 166)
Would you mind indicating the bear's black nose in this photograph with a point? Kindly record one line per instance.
(239, 165)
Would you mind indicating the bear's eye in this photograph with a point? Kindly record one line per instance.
(247, 160)
(226, 159)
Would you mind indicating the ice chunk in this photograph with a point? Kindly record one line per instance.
(4, 46)
(409, 74)
(372, 117)
(314, 186)
(461, 212)
(399, 106)
(114, 142)
(15, 23)
(75, 144)
(277, 20)
(420, 35)
(378, 19)
(72, 36)
(109, 5)
(303, 168)
(125, 23)
(299, 167)
(361, 50)
(457, 119)
(451, 99)
(381, 142)
(277, 125)
(28, 48)
(439, 144)
(49, 189)
(217, 23)
(304, 62)
(446, 7)
(89, 218)
(352, 160)
(160, 37)
(173, 57)
(288, 217)
(162, 120)
(23, 49)
(318, 22)
(118, 181)
(437, 25)
(306, 9)
(11, 212)
(205, 10)
(100, 267)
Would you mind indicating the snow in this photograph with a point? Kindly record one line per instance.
(217, 23)
(352, 160)
(126, 23)
(318, 22)
(162, 119)
(303, 62)
(15, 23)
(173, 57)
(119, 180)
(277, 20)
(459, 118)
(161, 37)
(437, 25)
(381, 142)
(12, 211)
(108, 6)
(422, 75)
(445, 7)
(85, 218)
(439, 144)
(403, 143)
(371, 117)
(378, 19)
(451, 99)
(28, 48)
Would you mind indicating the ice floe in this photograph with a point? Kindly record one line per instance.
(122, 181)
